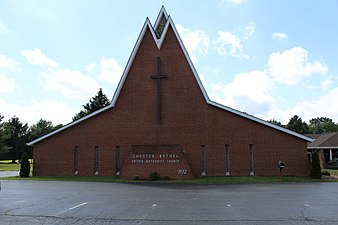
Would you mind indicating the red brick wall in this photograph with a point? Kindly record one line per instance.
(187, 121)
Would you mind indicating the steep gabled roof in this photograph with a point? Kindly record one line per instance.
(158, 39)
(324, 141)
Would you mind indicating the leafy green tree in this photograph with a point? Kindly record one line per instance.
(18, 136)
(24, 166)
(321, 125)
(99, 101)
(316, 171)
(3, 137)
(297, 125)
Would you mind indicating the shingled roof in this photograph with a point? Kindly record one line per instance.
(323, 141)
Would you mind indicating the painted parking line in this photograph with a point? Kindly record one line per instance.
(77, 206)
(306, 205)
(71, 208)
(146, 213)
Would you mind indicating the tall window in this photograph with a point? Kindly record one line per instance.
(76, 161)
(117, 161)
(227, 160)
(251, 158)
(203, 160)
(96, 160)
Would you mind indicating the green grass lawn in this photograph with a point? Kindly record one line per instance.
(204, 180)
(7, 165)
(332, 172)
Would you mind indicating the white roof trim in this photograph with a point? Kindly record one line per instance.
(69, 125)
(159, 42)
(323, 147)
(158, 19)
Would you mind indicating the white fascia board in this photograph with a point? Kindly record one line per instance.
(159, 42)
(146, 25)
(192, 67)
(69, 125)
(261, 121)
(130, 61)
(158, 19)
(222, 106)
(324, 147)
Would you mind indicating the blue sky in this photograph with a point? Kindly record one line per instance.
(271, 59)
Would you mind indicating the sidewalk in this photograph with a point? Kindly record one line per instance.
(9, 173)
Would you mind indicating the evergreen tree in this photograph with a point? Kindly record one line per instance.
(3, 137)
(275, 122)
(18, 136)
(99, 101)
(316, 171)
(297, 125)
(25, 166)
(40, 128)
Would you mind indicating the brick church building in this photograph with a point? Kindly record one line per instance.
(162, 120)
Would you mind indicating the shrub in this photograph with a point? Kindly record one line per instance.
(167, 178)
(25, 166)
(316, 171)
(154, 176)
(333, 164)
(326, 173)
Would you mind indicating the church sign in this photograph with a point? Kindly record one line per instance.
(167, 160)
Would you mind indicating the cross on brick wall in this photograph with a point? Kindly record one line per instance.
(158, 77)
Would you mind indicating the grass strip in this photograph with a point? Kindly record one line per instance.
(204, 180)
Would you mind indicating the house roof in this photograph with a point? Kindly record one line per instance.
(323, 141)
(159, 41)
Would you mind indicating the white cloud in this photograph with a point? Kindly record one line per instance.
(195, 41)
(280, 36)
(89, 68)
(7, 62)
(37, 57)
(292, 66)
(247, 92)
(249, 29)
(322, 106)
(326, 83)
(6, 85)
(110, 70)
(72, 84)
(228, 43)
(48, 109)
(4, 28)
(233, 1)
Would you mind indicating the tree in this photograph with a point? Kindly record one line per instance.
(40, 128)
(99, 101)
(297, 125)
(316, 171)
(321, 125)
(25, 166)
(275, 122)
(3, 137)
(18, 136)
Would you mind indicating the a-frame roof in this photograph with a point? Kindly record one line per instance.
(159, 41)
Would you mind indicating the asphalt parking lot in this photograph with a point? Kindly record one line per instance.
(49, 202)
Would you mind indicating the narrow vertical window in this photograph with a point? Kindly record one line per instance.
(251, 155)
(96, 161)
(76, 161)
(117, 161)
(227, 160)
(203, 160)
